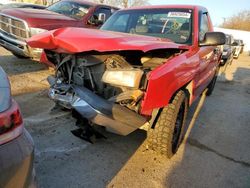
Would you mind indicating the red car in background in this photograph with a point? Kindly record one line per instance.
(16, 144)
(19, 24)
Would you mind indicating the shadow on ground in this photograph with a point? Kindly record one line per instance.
(63, 160)
(14, 66)
(216, 151)
(25, 75)
(215, 154)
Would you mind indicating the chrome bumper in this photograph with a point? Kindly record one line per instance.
(116, 118)
(19, 47)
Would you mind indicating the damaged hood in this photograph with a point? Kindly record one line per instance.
(76, 40)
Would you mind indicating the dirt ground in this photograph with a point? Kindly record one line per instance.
(215, 154)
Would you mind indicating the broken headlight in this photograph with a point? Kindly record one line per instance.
(127, 78)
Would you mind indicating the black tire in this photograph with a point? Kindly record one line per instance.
(167, 133)
(223, 62)
(210, 87)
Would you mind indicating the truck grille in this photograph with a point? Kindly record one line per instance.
(13, 26)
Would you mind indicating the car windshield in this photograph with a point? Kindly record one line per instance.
(174, 24)
(69, 8)
(228, 40)
(237, 41)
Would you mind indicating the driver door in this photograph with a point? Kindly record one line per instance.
(207, 56)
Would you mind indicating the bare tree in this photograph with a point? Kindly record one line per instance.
(124, 3)
(240, 21)
(134, 3)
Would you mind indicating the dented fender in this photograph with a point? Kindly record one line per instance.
(171, 76)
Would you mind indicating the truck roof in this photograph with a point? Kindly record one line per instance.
(83, 1)
(166, 6)
(88, 3)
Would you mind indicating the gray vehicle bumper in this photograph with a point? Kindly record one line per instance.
(19, 47)
(116, 118)
(16, 162)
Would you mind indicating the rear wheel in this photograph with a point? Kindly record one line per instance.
(167, 133)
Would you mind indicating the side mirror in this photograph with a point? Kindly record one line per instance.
(101, 17)
(213, 39)
(97, 21)
(235, 44)
(93, 20)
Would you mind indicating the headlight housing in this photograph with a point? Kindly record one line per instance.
(127, 78)
(35, 31)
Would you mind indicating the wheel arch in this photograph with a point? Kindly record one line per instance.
(188, 90)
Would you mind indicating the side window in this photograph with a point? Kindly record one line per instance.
(106, 11)
(204, 27)
(120, 24)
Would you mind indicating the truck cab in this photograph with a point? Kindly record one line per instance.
(143, 68)
(19, 24)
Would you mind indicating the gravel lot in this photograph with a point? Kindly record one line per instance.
(216, 153)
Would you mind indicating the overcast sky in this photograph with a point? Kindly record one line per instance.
(219, 9)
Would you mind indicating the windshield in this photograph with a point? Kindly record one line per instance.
(174, 24)
(237, 41)
(228, 40)
(71, 9)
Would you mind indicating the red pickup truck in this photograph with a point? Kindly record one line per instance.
(19, 24)
(144, 67)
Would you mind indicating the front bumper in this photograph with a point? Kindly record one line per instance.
(19, 47)
(116, 118)
(16, 162)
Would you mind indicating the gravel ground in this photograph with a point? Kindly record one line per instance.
(215, 154)
(26, 76)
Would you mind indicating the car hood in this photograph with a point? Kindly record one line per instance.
(5, 98)
(75, 40)
(40, 18)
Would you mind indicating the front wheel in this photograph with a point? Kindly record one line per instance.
(167, 133)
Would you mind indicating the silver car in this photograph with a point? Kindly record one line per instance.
(16, 144)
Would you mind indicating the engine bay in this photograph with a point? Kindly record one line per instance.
(119, 77)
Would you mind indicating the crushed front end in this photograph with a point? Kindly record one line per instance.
(105, 88)
(105, 76)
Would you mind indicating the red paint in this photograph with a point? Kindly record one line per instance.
(45, 19)
(196, 65)
(96, 40)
